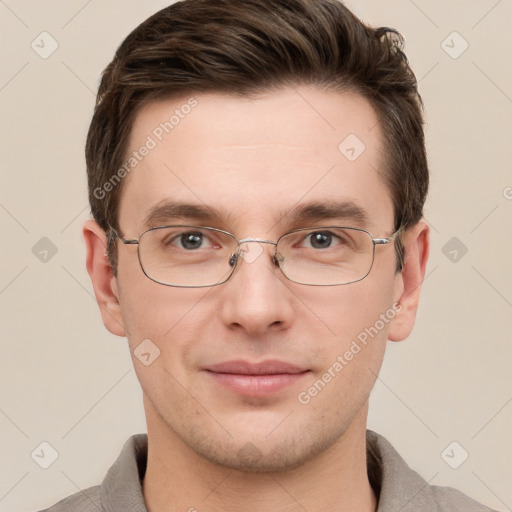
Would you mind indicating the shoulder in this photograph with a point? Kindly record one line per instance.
(121, 488)
(449, 499)
(87, 500)
(401, 488)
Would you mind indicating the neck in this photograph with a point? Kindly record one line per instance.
(179, 479)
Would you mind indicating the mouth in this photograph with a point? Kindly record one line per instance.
(256, 379)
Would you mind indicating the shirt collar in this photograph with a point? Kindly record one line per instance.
(121, 489)
(395, 484)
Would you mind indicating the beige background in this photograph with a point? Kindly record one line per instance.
(65, 380)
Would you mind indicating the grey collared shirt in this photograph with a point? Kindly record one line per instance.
(397, 486)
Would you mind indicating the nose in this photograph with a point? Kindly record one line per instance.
(255, 298)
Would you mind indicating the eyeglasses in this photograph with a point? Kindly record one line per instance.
(197, 256)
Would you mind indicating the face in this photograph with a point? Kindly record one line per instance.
(258, 373)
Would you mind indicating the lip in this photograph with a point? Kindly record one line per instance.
(268, 367)
(256, 379)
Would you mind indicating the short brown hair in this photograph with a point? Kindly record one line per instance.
(254, 46)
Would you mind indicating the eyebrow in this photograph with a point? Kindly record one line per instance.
(169, 210)
(308, 213)
(319, 211)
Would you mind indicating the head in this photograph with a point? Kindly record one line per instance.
(244, 110)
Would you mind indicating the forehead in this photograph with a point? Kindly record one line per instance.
(254, 159)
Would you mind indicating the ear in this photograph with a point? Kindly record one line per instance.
(416, 242)
(102, 277)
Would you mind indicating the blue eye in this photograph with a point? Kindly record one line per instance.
(321, 239)
(191, 241)
(325, 239)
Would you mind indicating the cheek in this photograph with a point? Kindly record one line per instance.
(163, 314)
(349, 357)
(343, 312)
(163, 335)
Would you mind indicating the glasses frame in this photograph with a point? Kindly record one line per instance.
(276, 257)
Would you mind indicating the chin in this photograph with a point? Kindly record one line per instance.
(263, 453)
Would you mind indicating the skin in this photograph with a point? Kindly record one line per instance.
(251, 159)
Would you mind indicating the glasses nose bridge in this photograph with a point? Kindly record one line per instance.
(252, 239)
(241, 250)
(259, 240)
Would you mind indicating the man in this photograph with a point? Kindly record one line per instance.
(257, 175)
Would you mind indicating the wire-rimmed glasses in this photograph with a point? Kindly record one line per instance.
(197, 256)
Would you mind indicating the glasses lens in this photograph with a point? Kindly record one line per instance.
(186, 255)
(326, 256)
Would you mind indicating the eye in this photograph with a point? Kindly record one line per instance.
(322, 240)
(187, 240)
(191, 241)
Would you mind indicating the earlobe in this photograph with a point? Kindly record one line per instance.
(103, 280)
(416, 242)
